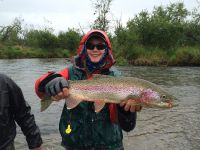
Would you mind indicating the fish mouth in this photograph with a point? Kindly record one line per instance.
(171, 103)
(174, 104)
(162, 104)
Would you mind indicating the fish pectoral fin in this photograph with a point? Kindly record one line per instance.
(72, 102)
(98, 105)
(134, 97)
(45, 103)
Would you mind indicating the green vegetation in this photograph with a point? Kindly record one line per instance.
(166, 36)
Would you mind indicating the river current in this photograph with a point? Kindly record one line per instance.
(169, 129)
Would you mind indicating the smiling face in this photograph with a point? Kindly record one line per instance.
(95, 49)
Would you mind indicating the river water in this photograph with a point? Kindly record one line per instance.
(170, 129)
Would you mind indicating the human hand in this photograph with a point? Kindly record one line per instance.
(57, 88)
(130, 105)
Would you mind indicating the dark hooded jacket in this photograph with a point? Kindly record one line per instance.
(90, 129)
(14, 108)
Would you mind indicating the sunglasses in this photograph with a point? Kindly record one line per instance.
(99, 46)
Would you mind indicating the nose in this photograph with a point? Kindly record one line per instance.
(95, 49)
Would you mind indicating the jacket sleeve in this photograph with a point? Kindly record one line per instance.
(126, 119)
(22, 115)
(43, 80)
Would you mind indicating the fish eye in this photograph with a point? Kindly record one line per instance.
(163, 96)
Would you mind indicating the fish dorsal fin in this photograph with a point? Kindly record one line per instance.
(100, 76)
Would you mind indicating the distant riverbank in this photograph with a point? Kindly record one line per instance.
(167, 36)
(187, 56)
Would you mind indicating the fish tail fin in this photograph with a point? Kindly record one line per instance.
(72, 102)
(45, 103)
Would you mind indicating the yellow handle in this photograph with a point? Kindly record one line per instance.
(68, 130)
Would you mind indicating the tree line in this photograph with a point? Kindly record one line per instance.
(167, 35)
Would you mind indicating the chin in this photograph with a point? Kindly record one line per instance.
(95, 61)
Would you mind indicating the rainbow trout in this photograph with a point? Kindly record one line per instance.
(107, 89)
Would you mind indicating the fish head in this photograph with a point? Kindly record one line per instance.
(153, 98)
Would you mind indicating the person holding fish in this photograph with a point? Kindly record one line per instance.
(82, 126)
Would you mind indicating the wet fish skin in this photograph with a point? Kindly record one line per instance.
(105, 89)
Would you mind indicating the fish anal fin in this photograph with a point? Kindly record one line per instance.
(45, 103)
(98, 105)
(72, 102)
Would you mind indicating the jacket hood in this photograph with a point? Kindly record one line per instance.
(79, 60)
(85, 38)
